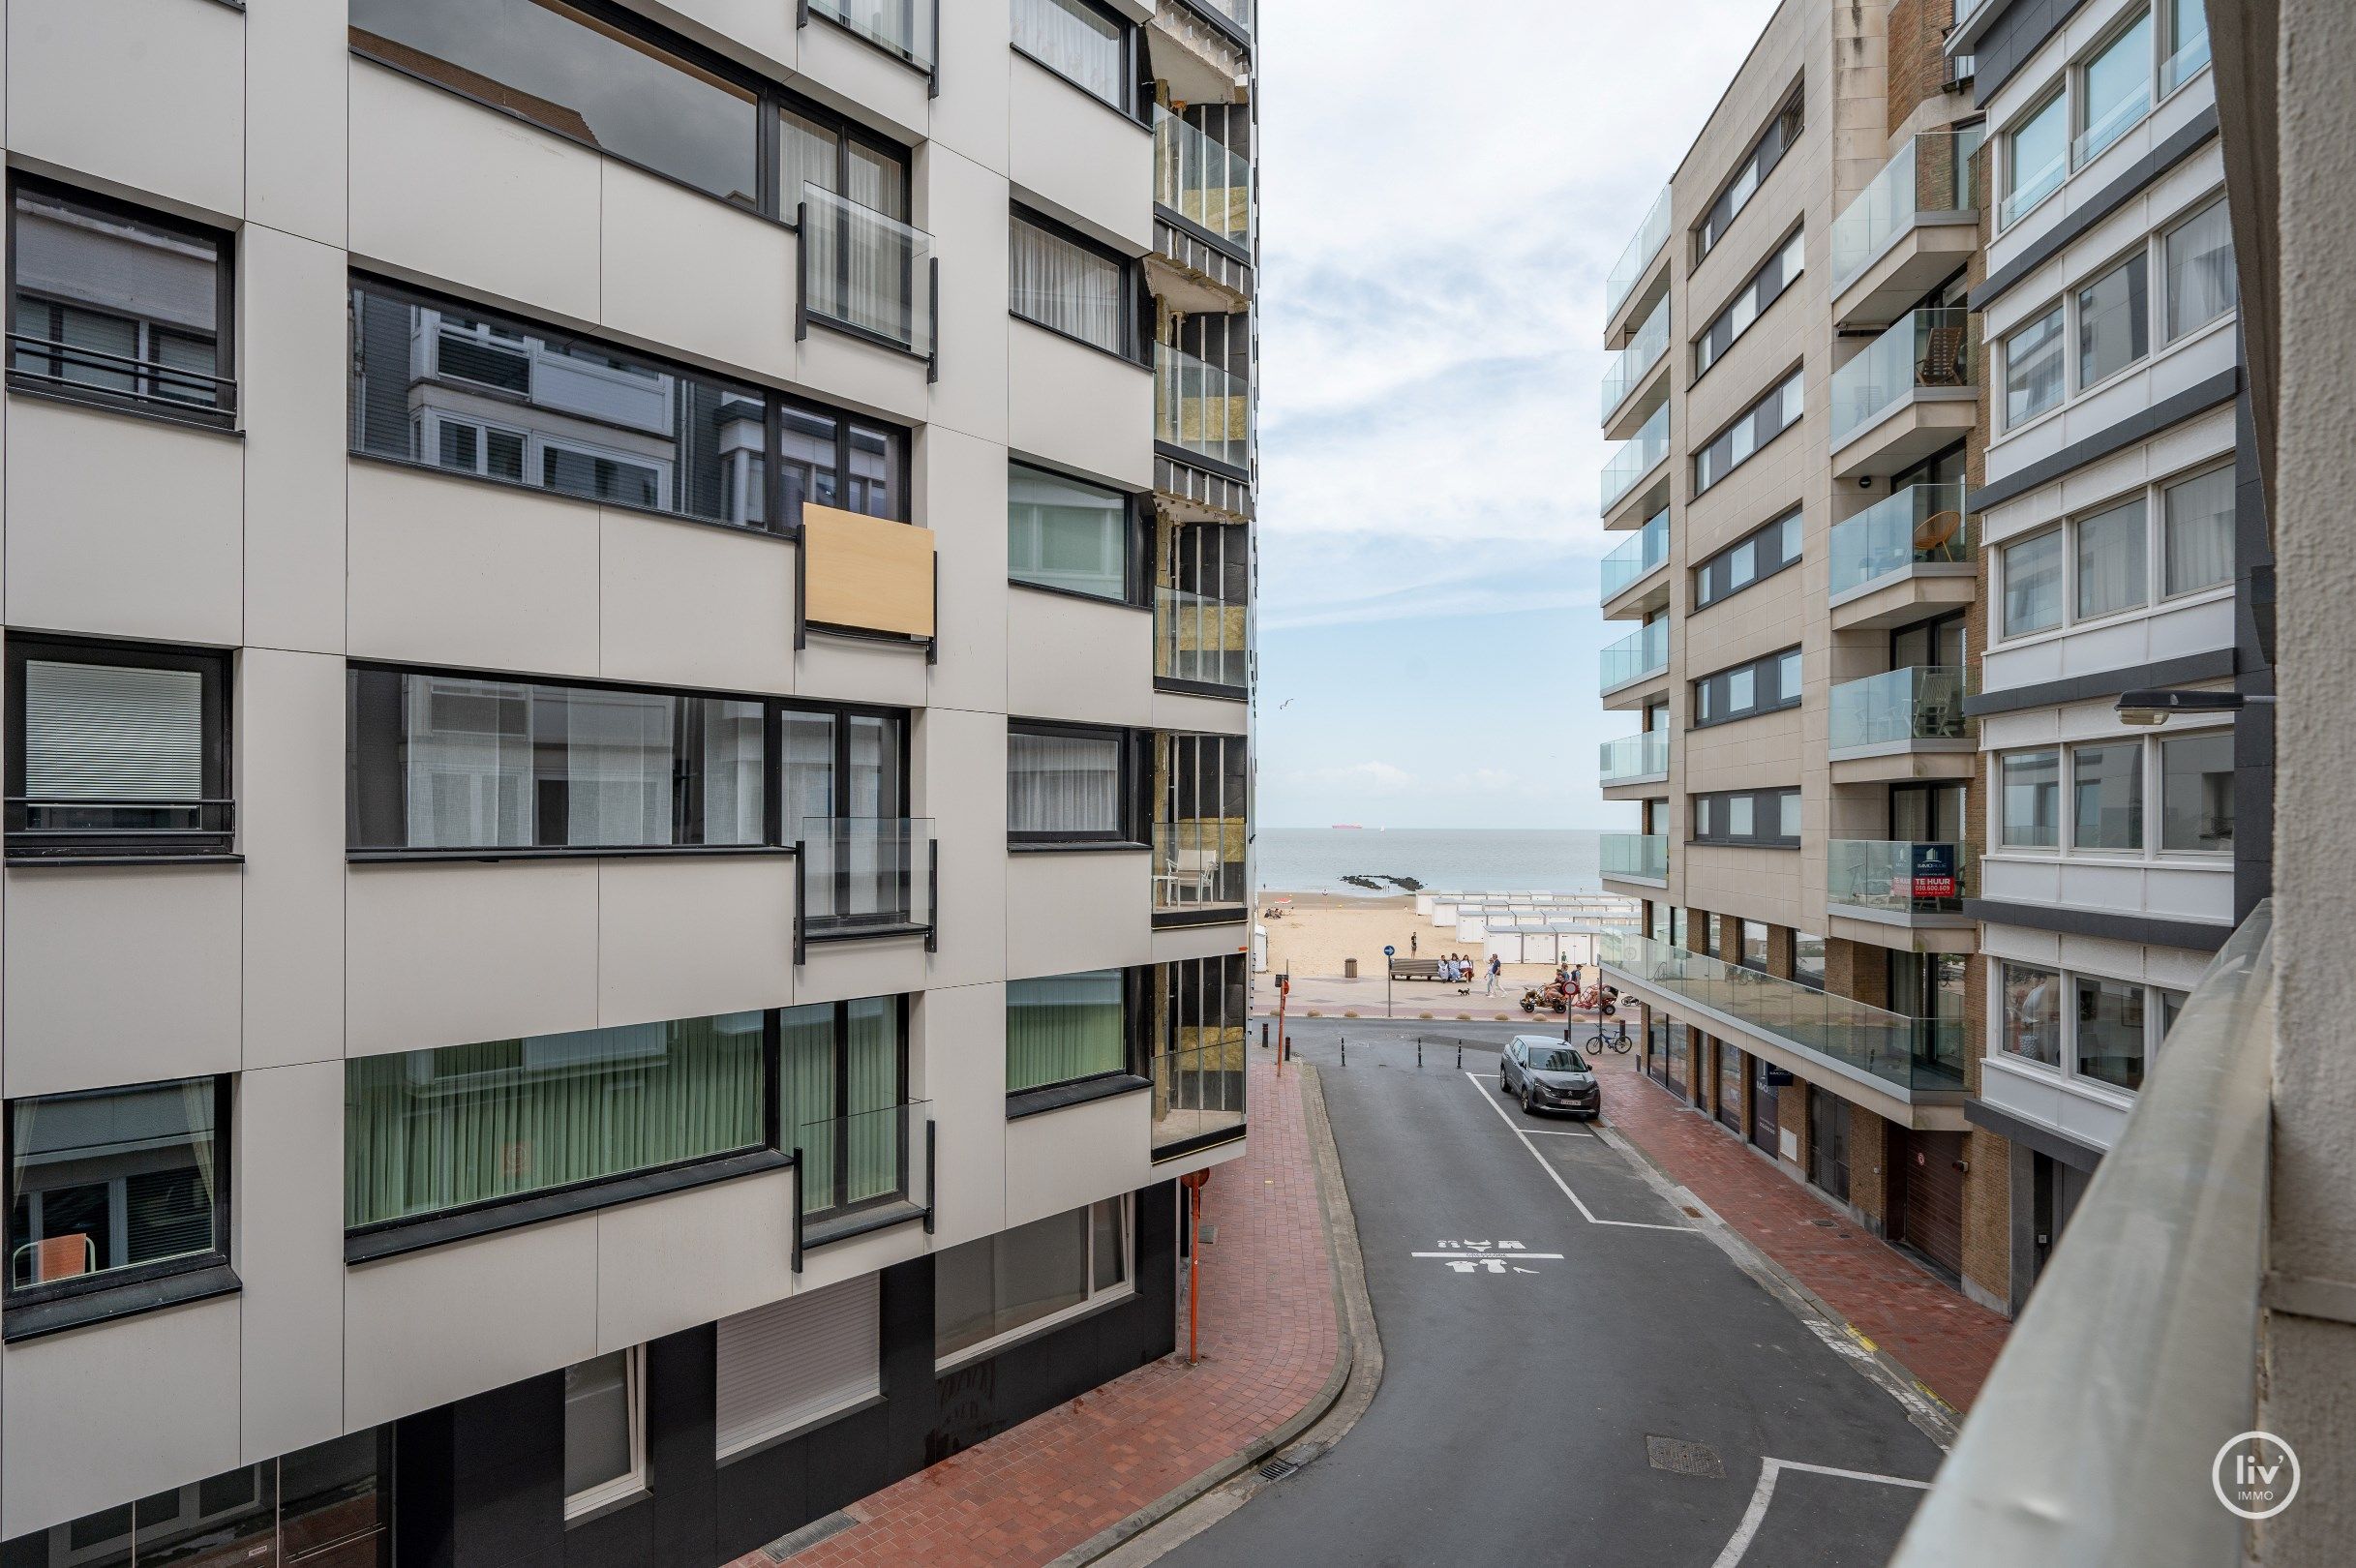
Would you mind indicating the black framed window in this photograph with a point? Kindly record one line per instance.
(115, 305)
(1201, 1010)
(845, 796)
(1069, 783)
(1201, 783)
(1754, 951)
(111, 1187)
(1760, 685)
(1761, 288)
(1756, 426)
(1756, 555)
(469, 390)
(116, 749)
(1061, 279)
(1768, 818)
(1202, 598)
(1072, 1028)
(1090, 45)
(1071, 535)
(1756, 165)
(844, 1080)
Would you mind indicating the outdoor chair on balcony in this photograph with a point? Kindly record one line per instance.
(1942, 363)
(1935, 536)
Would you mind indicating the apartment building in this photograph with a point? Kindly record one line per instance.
(2125, 548)
(629, 671)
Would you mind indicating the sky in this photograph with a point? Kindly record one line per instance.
(1439, 208)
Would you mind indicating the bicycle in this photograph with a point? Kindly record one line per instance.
(1621, 1043)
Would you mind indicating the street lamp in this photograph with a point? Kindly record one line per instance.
(2151, 709)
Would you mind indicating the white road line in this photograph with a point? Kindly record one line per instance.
(1507, 1257)
(1547, 1165)
(1557, 1132)
(1762, 1494)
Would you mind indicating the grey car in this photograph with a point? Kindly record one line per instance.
(1550, 1075)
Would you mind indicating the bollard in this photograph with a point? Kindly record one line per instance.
(1419, 1053)
(1345, 1050)
(1263, 1034)
(1460, 1056)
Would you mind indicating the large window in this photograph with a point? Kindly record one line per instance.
(1759, 424)
(2157, 543)
(2093, 1029)
(2032, 369)
(2192, 775)
(2110, 1031)
(2201, 283)
(109, 1186)
(1758, 817)
(1759, 555)
(2034, 154)
(605, 1431)
(1067, 533)
(1071, 285)
(2106, 796)
(1750, 302)
(2033, 584)
(116, 749)
(2032, 805)
(2197, 542)
(1082, 42)
(1760, 686)
(1756, 165)
(429, 1132)
(117, 305)
(2111, 568)
(1067, 784)
(1065, 1028)
(2114, 322)
(1202, 1010)
(2033, 1013)
(844, 801)
(472, 391)
(2114, 89)
(991, 1290)
(1201, 781)
(2197, 792)
(843, 1073)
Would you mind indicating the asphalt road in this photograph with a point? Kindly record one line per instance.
(1514, 1420)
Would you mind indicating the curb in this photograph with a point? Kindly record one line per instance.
(1347, 1355)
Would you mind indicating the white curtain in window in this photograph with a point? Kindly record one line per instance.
(1066, 287)
(1063, 783)
(1072, 37)
(2112, 569)
(734, 770)
(2201, 282)
(618, 767)
(2198, 531)
(470, 762)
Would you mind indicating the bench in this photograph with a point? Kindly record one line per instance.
(1415, 969)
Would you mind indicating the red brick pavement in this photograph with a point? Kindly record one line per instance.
(1946, 1341)
(1268, 1344)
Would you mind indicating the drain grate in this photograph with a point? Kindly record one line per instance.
(809, 1535)
(1682, 1458)
(1274, 1467)
(1824, 1224)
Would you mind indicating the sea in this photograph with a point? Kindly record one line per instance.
(1445, 860)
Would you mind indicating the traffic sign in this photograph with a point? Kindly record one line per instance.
(1390, 953)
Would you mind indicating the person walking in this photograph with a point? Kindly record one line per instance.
(1496, 967)
(1411, 943)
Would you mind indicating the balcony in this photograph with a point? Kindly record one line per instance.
(1199, 641)
(1198, 871)
(866, 274)
(1893, 883)
(863, 1171)
(2115, 122)
(1201, 180)
(1641, 655)
(1202, 410)
(1645, 553)
(1910, 228)
(866, 575)
(2185, 63)
(1241, 13)
(1902, 724)
(1635, 264)
(1905, 1059)
(1908, 553)
(1634, 857)
(907, 29)
(1635, 458)
(1913, 391)
(865, 876)
(1199, 1092)
(1630, 369)
(1634, 758)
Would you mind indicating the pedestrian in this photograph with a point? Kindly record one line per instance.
(1496, 967)
(1411, 943)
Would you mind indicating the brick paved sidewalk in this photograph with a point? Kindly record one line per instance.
(1945, 1340)
(1269, 1344)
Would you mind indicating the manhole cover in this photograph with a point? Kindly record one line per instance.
(1682, 1458)
(1274, 1468)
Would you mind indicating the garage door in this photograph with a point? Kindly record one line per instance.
(1934, 1197)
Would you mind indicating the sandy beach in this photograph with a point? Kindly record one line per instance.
(1317, 932)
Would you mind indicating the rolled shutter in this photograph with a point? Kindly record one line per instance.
(112, 731)
(794, 1361)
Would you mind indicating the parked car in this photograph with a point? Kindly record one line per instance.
(1550, 1075)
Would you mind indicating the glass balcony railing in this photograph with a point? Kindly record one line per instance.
(1633, 363)
(1635, 854)
(1201, 409)
(1239, 11)
(863, 875)
(866, 271)
(1636, 457)
(1198, 864)
(1198, 1090)
(1913, 1054)
(903, 27)
(2185, 63)
(1928, 348)
(1642, 653)
(2030, 189)
(1651, 235)
(868, 1160)
(1910, 527)
(1643, 550)
(1894, 877)
(1930, 174)
(1199, 638)
(1920, 703)
(2115, 122)
(1202, 179)
(1632, 757)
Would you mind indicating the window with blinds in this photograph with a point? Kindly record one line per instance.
(796, 1361)
(119, 750)
(1064, 784)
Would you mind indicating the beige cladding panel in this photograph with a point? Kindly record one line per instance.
(867, 572)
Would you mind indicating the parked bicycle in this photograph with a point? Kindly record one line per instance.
(1621, 1043)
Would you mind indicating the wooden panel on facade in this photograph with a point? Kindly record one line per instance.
(867, 573)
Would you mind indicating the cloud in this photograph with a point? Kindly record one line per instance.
(1364, 778)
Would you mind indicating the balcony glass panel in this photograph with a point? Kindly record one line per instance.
(1909, 1053)
(1631, 364)
(865, 1160)
(1201, 409)
(1651, 235)
(1919, 703)
(2114, 91)
(1636, 457)
(865, 874)
(1931, 174)
(2191, 56)
(1928, 348)
(1200, 638)
(902, 27)
(1239, 11)
(1200, 178)
(1644, 653)
(1633, 756)
(1895, 878)
(867, 271)
(1635, 854)
(1199, 1090)
(1643, 552)
(1917, 526)
(1198, 864)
